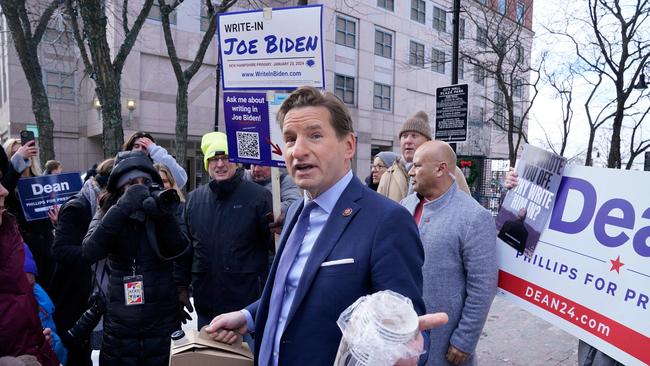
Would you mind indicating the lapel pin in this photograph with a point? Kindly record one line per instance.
(347, 212)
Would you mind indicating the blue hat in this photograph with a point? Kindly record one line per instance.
(388, 157)
(30, 264)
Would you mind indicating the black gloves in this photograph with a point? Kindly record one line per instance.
(132, 199)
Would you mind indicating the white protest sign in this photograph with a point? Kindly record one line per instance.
(590, 272)
(283, 51)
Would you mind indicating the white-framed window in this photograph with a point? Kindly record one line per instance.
(521, 12)
(517, 87)
(344, 88)
(481, 37)
(59, 85)
(461, 29)
(502, 6)
(155, 14)
(383, 43)
(479, 74)
(382, 97)
(438, 60)
(461, 68)
(439, 19)
(418, 10)
(416, 54)
(346, 32)
(205, 18)
(386, 4)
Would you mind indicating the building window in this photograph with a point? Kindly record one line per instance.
(344, 88)
(418, 10)
(438, 61)
(521, 12)
(461, 68)
(439, 19)
(520, 52)
(416, 54)
(517, 88)
(502, 43)
(517, 122)
(205, 18)
(382, 98)
(60, 85)
(346, 32)
(386, 4)
(481, 37)
(482, 2)
(502, 6)
(499, 107)
(154, 13)
(461, 29)
(383, 43)
(59, 31)
(479, 75)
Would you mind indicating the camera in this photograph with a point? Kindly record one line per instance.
(164, 197)
(90, 318)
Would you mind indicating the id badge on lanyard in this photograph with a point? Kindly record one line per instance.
(133, 289)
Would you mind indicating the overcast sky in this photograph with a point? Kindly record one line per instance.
(547, 109)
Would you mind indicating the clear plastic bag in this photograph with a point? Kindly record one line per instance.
(378, 330)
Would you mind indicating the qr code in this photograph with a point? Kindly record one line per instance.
(248, 145)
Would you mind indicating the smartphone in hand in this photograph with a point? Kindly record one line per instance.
(26, 136)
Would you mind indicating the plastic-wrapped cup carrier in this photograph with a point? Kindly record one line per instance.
(378, 329)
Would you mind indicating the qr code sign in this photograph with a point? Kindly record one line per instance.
(248, 145)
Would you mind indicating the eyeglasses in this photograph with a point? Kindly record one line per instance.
(221, 158)
(377, 167)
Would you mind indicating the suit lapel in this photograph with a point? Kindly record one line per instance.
(327, 239)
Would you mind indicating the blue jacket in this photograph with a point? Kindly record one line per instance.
(46, 310)
(382, 239)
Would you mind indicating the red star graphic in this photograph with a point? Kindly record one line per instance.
(616, 264)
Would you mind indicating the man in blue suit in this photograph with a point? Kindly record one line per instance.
(341, 242)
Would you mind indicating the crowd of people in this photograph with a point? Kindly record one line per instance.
(114, 268)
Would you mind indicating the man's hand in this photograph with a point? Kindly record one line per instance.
(456, 356)
(426, 322)
(53, 214)
(276, 225)
(184, 303)
(28, 150)
(47, 332)
(512, 179)
(228, 327)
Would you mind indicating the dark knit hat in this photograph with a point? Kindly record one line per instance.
(418, 123)
(127, 161)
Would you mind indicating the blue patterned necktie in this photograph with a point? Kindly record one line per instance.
(277, 293)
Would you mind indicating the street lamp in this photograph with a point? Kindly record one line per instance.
(130, 105)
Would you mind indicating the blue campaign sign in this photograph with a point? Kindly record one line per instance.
(39, 194)
(248, 128)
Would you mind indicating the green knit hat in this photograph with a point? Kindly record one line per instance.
(213, 144)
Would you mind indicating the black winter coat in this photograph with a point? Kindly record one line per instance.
(227, 225)
(72, 282)
(137, 334)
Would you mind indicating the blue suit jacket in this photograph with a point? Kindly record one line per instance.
(381, 237)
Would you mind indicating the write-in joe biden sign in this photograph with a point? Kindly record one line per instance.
(38, 195)
(272, 49)
(590, 272)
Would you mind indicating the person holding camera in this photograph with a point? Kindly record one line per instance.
(136, 229)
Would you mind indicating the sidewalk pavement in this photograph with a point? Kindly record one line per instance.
(513, 336)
